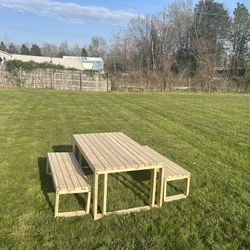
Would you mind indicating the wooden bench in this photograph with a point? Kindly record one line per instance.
(68, 178)
(172, 172)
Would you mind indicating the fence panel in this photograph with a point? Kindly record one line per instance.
(54, 79)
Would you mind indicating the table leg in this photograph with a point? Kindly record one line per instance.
(153, 187)
(160, 188)
(104, 204)
(95, 196)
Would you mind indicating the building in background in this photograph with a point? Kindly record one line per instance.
(4, 56)
(89, 63)
(79, 63)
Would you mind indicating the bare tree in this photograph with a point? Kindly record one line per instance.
(50, 50)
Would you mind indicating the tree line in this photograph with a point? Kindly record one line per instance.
(47, 49)
(185, 41)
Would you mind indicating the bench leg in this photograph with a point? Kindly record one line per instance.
(56, 205)
(177, 196)
(72, 213)
(88, 202)
(186, 191)
(165, 190)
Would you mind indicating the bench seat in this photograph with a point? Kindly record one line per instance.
(68, 178)
(172, 172)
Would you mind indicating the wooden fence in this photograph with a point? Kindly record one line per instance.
(54, 79)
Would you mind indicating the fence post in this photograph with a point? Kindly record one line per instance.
(107, 83)
(80, 80)
(52, 79)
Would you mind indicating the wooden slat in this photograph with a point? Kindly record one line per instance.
(166, 169)
(92, 161)
(101, 147)
(116, 152)
(77, 175)
(70, 171)
(97, 151)
(171, 169)
(56, 171)
(64, 172)
(54, 176)
(136, 159)
(88, 155)
(67, 174)
(135, 148)
(111, 151)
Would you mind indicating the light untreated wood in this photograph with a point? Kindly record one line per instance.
(68, 178)
(104, 202)
(175, 197)
(160, 189)
(95, 195)
(172, 172)
(113, 153)
(130, 210)
(153, 187)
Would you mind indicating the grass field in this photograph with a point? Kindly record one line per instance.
(208, 134)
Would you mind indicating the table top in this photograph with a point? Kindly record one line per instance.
(114, 152)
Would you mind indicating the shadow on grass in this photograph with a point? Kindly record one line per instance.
(137, 188)
(62, 148)
(46, 181)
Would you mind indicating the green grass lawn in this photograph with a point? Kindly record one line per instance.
(207, 134)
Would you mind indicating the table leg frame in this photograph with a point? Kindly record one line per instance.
(95, 196)
(152, 195)
(153, 187)
(104, 202)
(160, 188)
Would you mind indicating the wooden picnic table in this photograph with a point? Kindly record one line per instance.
(108, 153)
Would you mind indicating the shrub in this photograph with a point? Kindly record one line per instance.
(14, 65)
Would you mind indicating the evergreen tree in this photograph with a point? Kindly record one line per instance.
(84, 52)
(210, 26)
(12, 49)
(240, 38)
(24, 50)
(35, 50)
(3, 47)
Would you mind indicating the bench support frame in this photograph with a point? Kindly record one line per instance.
(58, 193)
(72, 213)
(177, 196)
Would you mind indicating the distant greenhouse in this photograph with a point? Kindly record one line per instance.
(89, 63)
